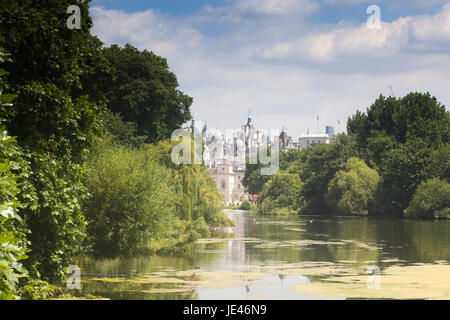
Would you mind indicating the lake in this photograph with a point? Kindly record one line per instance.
(301, 257)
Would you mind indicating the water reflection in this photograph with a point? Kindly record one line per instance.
(268, 256)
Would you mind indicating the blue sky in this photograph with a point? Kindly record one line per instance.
(288, 60)
(172, 7)
(330, 13)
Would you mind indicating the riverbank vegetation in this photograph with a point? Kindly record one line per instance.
(392, 162)
(85, 157)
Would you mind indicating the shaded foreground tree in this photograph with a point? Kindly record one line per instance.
(145, 92)
(55, 123)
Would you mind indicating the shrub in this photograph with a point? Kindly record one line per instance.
(245, 205)
(431, 200)
(39, 290)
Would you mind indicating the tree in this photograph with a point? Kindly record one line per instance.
(317, 166)
(131, 200)
(12, 237)
(440, 162)
(253, 180)
(431, 200)
(352, 190)
(145, 92)
(414, 116)
(405, 141)
(404, 168)
(55, 122)
(281, 195)
(122, 132)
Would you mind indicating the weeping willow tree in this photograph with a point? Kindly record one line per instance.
(199, 198)
(141, 201)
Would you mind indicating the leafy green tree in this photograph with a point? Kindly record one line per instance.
(12, 244)
(431, 200)
(199, 196)
(12, 238)
(145, 92)
(404, 140)
(352, 190)
(55, 122)
(440, 162)
(253, 180)
(317, 166)
(124, 133)
(131, 199)
(281, 195)
(404, 168)
(286, 158)
(414, 116)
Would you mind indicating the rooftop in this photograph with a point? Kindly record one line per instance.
(315, 135)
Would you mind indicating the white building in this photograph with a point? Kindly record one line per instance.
(309, 139)
(229, 183)
(225, 156)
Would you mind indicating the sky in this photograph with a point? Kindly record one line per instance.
(287, 61)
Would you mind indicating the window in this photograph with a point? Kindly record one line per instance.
(223, 184)
(239, 186)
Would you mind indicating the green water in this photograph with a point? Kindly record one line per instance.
(264, 248)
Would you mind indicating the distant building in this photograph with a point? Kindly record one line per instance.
(229, 183)
(225, 157)
(286, 142)
(309, 139)
(329, 130)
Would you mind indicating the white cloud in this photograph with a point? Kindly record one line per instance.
(276, 7)
(391, 4)
(147, 29)
(432, 28)
(286, 70)
(403, 35)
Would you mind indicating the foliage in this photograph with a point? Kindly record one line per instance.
(141, 202)
(12, 244)
(431, 200)
(12, 238)
(253, 180)
(403, 169)
(145, 92)
(39, 290)
(194, 186)
(406, 141)
(440, 162)
(352, 190)
(131, 199)
(416, 115)
(245, 205)
(317, 166)
(55, 122)
(122, 132)
(281, 195)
